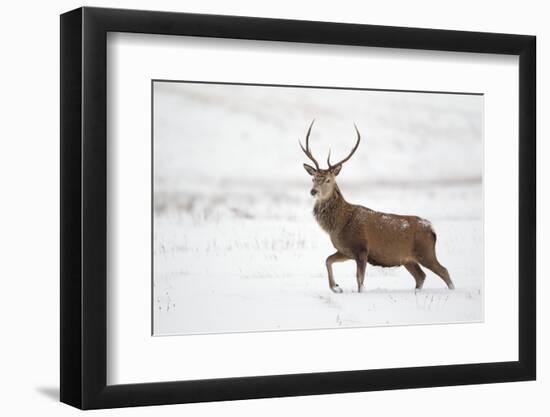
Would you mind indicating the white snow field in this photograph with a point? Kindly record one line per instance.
(235, 245)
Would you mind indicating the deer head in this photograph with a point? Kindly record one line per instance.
(324, 180)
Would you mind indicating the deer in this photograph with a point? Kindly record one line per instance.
(367, 236)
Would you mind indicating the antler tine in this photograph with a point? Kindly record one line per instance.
(307, 149)
(351, 153)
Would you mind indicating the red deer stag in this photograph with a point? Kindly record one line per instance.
(367, 236)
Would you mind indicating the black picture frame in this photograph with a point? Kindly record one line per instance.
(84, 207)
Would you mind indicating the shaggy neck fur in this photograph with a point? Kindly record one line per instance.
(333, 212)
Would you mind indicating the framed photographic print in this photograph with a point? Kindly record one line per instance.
(257, 207)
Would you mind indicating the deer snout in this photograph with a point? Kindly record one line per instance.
(313, 191)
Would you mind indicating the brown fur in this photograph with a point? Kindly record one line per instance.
(367, 236)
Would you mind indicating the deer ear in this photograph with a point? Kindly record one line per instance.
(336, 169)
(310, 170)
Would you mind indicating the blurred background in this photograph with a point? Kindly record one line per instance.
(232, 210)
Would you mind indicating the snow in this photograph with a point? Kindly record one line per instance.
(235, 245)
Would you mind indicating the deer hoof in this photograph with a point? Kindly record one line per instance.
(336, 289)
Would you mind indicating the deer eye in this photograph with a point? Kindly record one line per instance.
(327, 181)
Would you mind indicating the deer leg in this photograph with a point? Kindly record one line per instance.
(434, 266)
(335, 257)
(417, 273)
(361, 262)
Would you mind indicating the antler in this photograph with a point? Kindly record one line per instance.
(307, 149)
(330, 166)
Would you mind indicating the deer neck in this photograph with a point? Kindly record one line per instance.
(332, 213)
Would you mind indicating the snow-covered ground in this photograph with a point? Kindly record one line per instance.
(235, 245)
